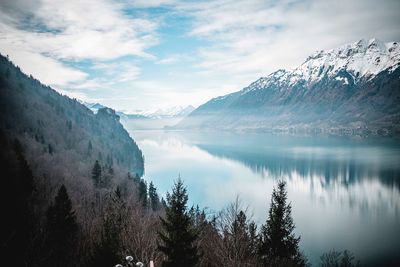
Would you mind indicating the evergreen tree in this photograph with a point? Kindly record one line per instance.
(279, 245)
(254, 238)
(61, 228)
(240, 239)
(153, 197)
(238, 243)
(178, 236)
(16, 203)
(89, 148)
(109, 248)
(143, 192)
(136, 178)
(27, 181)
(347, 259)
(96, 173)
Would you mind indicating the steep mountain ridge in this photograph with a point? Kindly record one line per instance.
(62, 138)
(353, 87)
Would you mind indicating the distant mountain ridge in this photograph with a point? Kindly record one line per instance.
(170, 112)
(175, 111)
(92, 106)
(352, 88)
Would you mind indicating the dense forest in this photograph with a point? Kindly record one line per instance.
(72, 194)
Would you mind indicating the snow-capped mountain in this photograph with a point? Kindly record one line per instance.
(362, 59)
(354, 86)
(170, 112)
(92, 106)
(176, 111)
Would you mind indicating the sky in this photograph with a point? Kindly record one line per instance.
(148, 54)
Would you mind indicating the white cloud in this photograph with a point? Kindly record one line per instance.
(119, 71)
(257, 37)
(243, 41)
(168, 60)
(49, 32)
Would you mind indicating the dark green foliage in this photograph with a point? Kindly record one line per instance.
(279, 245)
(163, 203)
(239, 240)
(16, 204)
(178, 238)
(26, 173)
(96, 173)
(347, 259)
(32, 111)
(136, 178)
(89, 148)
(154, 200)
(55, 132)
(143, 192)
(108, 251)
(207, 239)
(61, 229)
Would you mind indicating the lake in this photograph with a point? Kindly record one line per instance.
(345, 191)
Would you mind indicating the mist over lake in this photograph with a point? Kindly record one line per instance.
(209, 133)
(344, 191)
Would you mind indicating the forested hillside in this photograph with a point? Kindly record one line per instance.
(59, 131)
(67, 172)
(71, 195)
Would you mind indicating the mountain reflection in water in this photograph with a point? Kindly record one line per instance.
(344, 191)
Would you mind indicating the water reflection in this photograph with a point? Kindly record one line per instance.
(358, 173)
(344, 192)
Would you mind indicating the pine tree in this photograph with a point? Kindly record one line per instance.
(143, 192)
(27, 181)
(16, 202)
(178, 236)
(240, 239)
(153, 197)
(279, 245)
(96, 173)
(347, 259)
(108, 250)
(61, 228)
(238, 242)
(89, 148)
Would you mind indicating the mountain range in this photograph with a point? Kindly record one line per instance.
(353, 88)
(162, 113)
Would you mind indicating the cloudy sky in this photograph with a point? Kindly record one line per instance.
(149, 54)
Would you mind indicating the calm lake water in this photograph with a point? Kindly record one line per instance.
(345, 192)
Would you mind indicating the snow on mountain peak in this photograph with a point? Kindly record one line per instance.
(362, 58)
(169, 112)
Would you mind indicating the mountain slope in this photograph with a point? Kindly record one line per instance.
(61, 137)
(353, 87)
